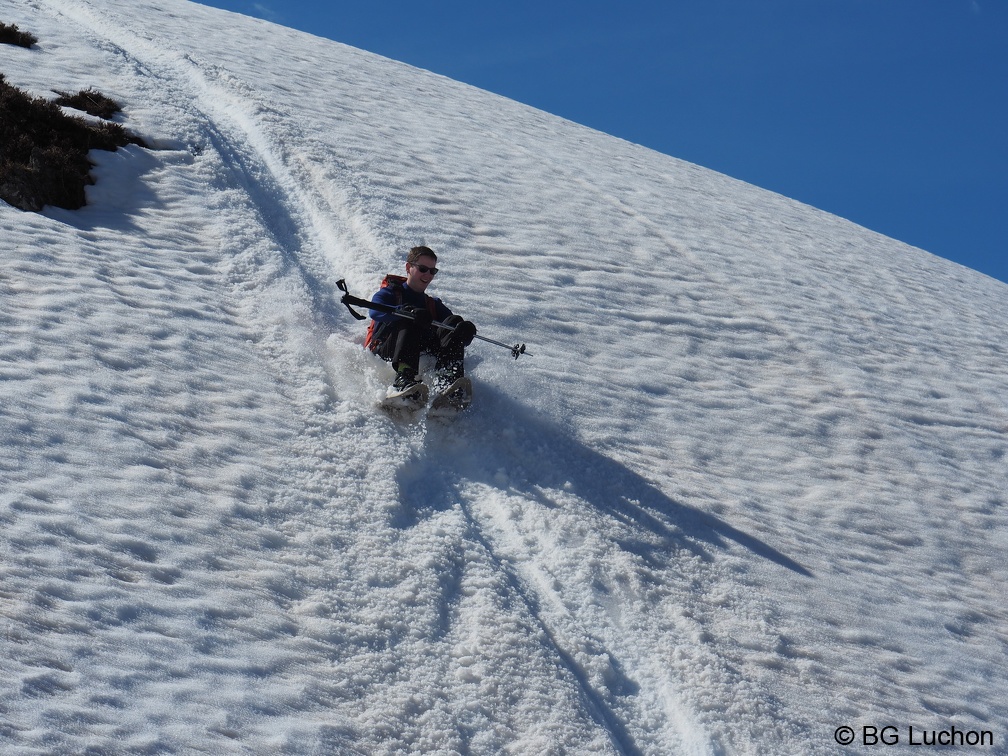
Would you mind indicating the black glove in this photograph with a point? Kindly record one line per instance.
(421, 315)
(465, 332)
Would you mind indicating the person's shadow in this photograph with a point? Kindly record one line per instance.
(504, 444)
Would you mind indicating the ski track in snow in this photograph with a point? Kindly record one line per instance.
(558, 570)
(284, 199)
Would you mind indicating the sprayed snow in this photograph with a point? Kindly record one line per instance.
(749, 488)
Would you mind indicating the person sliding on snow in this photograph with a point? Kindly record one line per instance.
(401, 340)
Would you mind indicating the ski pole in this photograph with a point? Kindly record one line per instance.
(516, 351)
(349, 299)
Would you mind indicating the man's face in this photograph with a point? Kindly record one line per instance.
(416, 278)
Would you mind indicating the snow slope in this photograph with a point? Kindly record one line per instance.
(750, 486)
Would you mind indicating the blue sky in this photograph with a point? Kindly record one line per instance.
(891, 113)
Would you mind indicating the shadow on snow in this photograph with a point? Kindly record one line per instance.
(505, 445)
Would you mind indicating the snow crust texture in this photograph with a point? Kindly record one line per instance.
(749, 488)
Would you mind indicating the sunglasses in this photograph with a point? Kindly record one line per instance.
(424, 269)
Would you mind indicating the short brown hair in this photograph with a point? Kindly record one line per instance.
(417, 252)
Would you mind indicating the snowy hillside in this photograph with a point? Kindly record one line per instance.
(749, 487)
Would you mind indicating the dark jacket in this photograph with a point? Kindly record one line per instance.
(387, 295)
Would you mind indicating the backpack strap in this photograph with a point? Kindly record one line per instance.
(396, 283)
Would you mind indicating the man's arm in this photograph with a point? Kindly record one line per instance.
(385, 296)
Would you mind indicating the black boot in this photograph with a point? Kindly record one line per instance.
(406, 378)
(446, 374)
(407, 392)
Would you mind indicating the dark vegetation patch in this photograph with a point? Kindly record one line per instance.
(11, 35)
(43, 151)
(91, 101)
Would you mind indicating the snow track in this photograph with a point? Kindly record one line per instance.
(303, 238)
